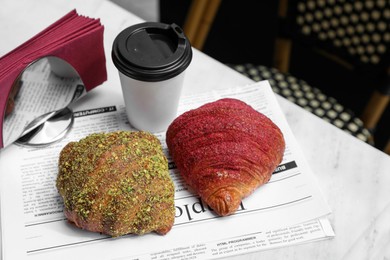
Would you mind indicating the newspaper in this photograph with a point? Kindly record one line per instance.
(288, 210)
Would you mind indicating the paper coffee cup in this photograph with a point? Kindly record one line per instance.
(151, 59)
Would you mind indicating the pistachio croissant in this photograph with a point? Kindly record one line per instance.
(225, 150)
(117, 183)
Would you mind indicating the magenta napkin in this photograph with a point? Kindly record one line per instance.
(74, 38)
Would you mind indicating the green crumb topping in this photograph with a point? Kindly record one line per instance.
(117, 183)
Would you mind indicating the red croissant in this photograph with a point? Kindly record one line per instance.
(225, 150)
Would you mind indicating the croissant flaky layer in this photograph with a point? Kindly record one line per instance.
(225, 150)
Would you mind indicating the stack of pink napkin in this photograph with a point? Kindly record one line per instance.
(74, 38)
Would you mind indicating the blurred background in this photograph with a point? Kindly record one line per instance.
(241, 33)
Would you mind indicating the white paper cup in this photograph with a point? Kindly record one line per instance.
(151, 106)
(151, 59)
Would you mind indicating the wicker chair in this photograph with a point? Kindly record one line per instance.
(352, 34)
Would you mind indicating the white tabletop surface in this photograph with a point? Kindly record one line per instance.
(353, 176)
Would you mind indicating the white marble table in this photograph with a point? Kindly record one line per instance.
(353, 176)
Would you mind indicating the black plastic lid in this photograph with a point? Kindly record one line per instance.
(151, 51)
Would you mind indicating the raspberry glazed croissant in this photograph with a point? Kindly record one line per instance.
(225, 150)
